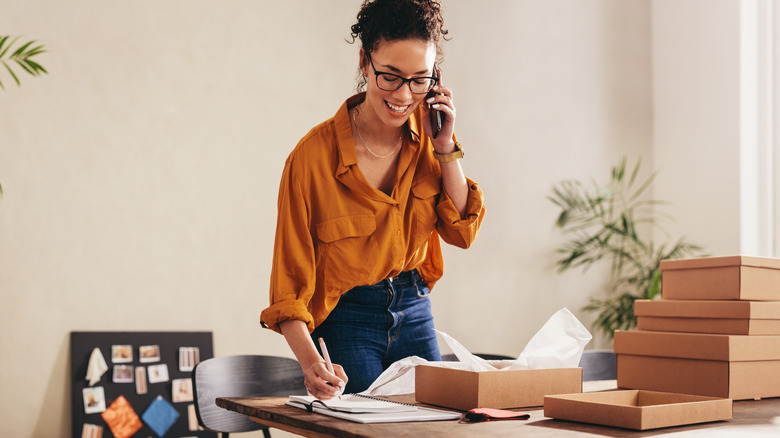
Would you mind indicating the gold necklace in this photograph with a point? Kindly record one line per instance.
(354, 119)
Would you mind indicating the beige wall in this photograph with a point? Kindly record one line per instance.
(140, 176)
(696, 129)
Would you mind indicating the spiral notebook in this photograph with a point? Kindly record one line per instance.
(366, 409)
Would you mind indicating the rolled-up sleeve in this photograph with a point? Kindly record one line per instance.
(453, 229)
(293, 273)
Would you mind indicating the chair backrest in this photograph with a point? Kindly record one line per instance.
(598, 365)
(486, 356)
(241, 376)
(490, 356)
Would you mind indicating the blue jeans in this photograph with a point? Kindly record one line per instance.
(374, 326)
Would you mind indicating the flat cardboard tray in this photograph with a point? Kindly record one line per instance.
(500, 389)
(721, 278)
(636, 409)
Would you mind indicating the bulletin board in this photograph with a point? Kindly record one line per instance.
(124, 353)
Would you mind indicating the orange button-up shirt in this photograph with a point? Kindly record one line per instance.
(335, 231)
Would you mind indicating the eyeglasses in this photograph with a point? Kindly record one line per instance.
(392, 82)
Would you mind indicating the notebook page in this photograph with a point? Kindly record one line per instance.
(354, 404)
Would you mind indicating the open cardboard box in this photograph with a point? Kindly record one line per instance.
(721, 278)
(733, 366)
(500, 389)
(722, 317)
(635, 409)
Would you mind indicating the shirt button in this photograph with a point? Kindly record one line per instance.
(398, 233)
(401, 262)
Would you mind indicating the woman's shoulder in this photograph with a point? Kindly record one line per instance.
(315, 155)
(319, 138)
(321, 143)
(323, 133)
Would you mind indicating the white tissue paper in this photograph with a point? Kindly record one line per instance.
(96, 366)
(558, 344)
(467, 360)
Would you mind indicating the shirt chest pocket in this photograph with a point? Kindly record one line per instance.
(345, 244)
(333, 230)
(426, 193)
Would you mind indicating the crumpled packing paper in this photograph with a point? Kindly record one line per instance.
(558, 344)
(96, 367)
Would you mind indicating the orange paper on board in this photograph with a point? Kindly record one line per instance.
(121, 418)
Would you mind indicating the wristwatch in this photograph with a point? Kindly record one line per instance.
(444, 158)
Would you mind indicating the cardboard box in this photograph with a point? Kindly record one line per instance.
(501, 389)
(738, 367)
(723, 317)
(710, 325)
(638, 410)
(721, 278)
(697, 345)
(736, 380)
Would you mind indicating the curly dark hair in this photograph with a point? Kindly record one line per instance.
(393, 20)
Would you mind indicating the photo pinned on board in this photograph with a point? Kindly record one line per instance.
(121, 353)
(91, 431)
(192, 419)
(149, 353)
(94, 400)
(140, 380)
(182, 390)
(123, 374)
(188, 358)
(158, 373)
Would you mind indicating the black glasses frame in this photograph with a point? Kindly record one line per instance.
(402, 79)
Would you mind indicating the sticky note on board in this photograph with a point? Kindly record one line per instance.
(160, 416)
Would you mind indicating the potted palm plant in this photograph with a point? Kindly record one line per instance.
(608, 223)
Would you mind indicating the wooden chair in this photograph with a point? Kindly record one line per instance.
(241, 376)
(598, 365)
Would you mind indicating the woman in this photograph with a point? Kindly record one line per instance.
(363, 200)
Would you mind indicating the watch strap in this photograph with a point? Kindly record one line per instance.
(444, 158)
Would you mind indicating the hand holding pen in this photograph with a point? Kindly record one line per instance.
(331, 378)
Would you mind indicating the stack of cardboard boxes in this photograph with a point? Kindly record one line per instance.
(716, 332)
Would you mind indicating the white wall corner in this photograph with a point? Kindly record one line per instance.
(757, 122)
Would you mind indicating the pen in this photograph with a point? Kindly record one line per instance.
(325, 354)
(324, 349)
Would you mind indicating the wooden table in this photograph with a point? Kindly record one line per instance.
(750, 419)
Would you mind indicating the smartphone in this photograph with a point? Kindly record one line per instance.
(435, 115)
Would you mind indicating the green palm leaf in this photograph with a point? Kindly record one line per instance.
(21, 56)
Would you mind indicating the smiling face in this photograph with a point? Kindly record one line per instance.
(406, 58)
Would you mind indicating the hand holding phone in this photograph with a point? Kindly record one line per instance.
(435, 114)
